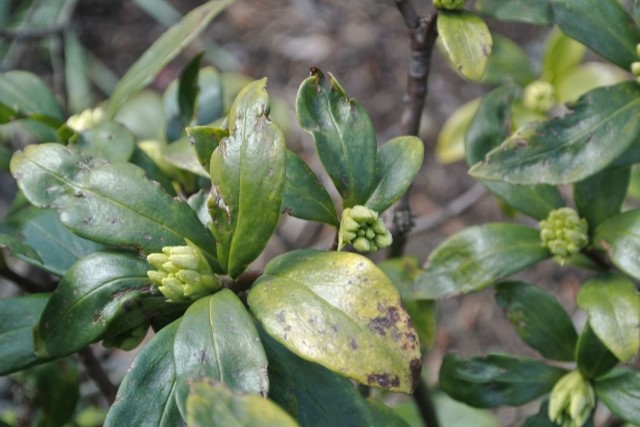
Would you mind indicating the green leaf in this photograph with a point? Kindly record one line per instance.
(57, 248)
(600, 196)
(142, 115)
(490, 125)
(108, 203)
(18, 248)
(217, 339)
(570, 148)
(17, 318)
(27, 93)
(581, 79)
(188, 89)
(109, 140)
(163, 50)
(248, 179)
(95, 291)
(508, 63)
(620, 391)
(204, 140)
(146, 395)
(452, 413)
(541, 419)
(311, 393)
(466, 41)
(211, 404)
(593, 357)
(397, 164)
(532, 12)
(561, 55)
(539, 319)
(603, 26)
(618, 236)
(383, 416)
(304, 196)
(181, 154)
(343, 134)
(450, 145)
(403, 273)
(476, 257)
(79, 93)
(339, 310)
(613, 304)
(151, 170)
(495, 380)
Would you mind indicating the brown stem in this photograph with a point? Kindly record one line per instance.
(422, 397)
(598, 257)
(24, 283)
(97, 374)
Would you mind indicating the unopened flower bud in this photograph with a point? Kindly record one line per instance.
(183, 273)
(86, 119)
(539, 96)
(571, 401)
(363, 229)
(448, 4)
(564, 233)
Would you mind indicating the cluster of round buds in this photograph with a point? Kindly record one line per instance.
(564, 233)
(362, 228)
(129, 340)
(86, 119)
(448, 4)
(572, 400)
(539, 96)
(183, 273)
(635, 66)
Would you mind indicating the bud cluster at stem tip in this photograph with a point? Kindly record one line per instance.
(362, 228)
(183, 273)
(87, 119)
(571, 401)
(635, 66)
(448, 4)
(564, 233)
(539, 96)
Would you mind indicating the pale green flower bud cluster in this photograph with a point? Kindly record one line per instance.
(362, 228)
(539, 96)
(128, 340)
(564, 233)
(572, 400)
(87, 119)
(182, 273)
(635, 66)
(448, 4)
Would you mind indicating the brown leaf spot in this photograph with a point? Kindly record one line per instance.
(388, 320)
(384, 380)
(416, 368)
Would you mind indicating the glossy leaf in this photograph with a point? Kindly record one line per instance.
(475, 257)
(188, 89)
(146, 394)
(109, 140)
(151, 170)
(562, 53)
(533, 12)
(339, 310)
(304, 196)
(211, 404)
(618, 236)
(613, 304)
(593, 357)
(495, 380)
(17, 317)
(397, 164)
(108, 203)
(311, 393)
(163, 50)
(620, 391)
(570, 148)
(343, 134)
(95, 291)
(204, 140)
(490, 126)
(18, 248)
(466, 40)
(217, 339)
(248, 179)
(508, 63)
(539, 319)
(450, 144)
(384, 416)
(600, 196)
(403, 273)
(603, 26)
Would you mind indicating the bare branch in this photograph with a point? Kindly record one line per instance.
(97, 374)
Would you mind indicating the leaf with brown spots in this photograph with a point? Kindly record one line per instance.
(339, 310)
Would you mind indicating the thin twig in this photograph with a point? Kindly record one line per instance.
(25, 283)
(422, 397)
(29, 34)
(97, 374)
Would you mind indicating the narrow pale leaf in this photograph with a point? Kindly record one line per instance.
(188, 89)
(562, 53)
(304, 196)
(248, 180)
(466, 41)
(613, 304)
(581, 79)
(570, 148)
(508, 63)
(532, 12)
(476, 257)
(620, 391)
(495, 380)
(397, 164)
(343, 134)
(600, 196)
(618, 236)
(339, 310)
(163, 50)
(204, 140)
(450, 145)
